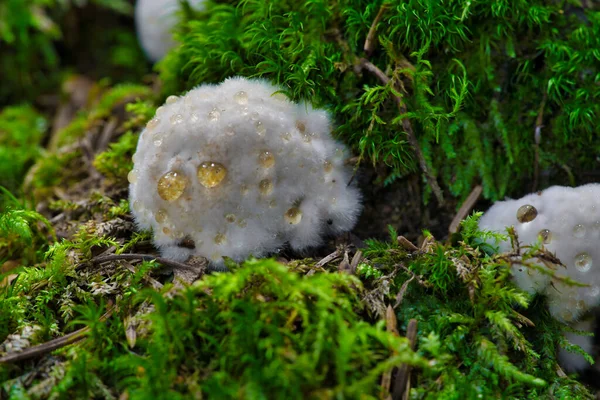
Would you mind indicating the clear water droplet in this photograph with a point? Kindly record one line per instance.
(153, 123)
(194, 118)
(261, 129)
(546, 236)
(161, 215)
(229, 131)
(214, 115)
(286, 136)
(172, 99)
(583, 262)
(220, 239)
(254, 116)
(265, 187)
(137, 206)
(132, 176)
(579, 231)
(242, 223)
(241, 97)
(176, 119)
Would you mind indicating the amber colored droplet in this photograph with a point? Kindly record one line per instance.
(301, 126)
(132, 176)
(166, 231)
(526, 213)
(161, 216)
(327, 166)
(546, 236)
(172, 185)
(265, 186)
(266, 159)
(211, 174)
(567, 316)
(230, 218)
(220, 238)
(241, 97)
(293, 216)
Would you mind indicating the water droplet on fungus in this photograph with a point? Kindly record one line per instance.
(230, 218)
(546, 236)
(241, 97)
(171, 185)
(166, 230)
(261, 130)
(229, 131)
(583, 262)
(137, 206)
(301, 126)
(579, 231)
(286, 136)
(194, 118)
(293, 216)
(266, 159)
(242, 223)
(526, 213)
(272, 203)
(265, 187)
(161, 216)
(211, 174)
(244, 189)
(132, 176)
(220, 239)
(176, 119)
(214, 115)
(172, 99)
(160, 109)
(327, 166)
(254, 116)
(153, 123)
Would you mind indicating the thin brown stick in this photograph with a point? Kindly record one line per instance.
(53, 344)
(400, 383)
(328, 259)
(407, 126)
(465, 208)
(371, 40)
(538, 139)
(142, 257)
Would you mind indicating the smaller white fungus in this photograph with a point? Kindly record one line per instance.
(155, 20)
(567, 221)
(235, 170)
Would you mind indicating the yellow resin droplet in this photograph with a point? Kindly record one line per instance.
(132, 176)
(327, 166)
(265, 187)
(161, 216)
(220, 239)
(230, 218)
(166, 231)
(172, 185)
(526, 213)
(293, 216)
(546, 236)
(211, 174)
(301, 126)
(266, 159)
(241, 97)
(172, 99)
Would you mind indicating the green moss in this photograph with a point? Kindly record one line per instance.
(473, 76)
(21, 131)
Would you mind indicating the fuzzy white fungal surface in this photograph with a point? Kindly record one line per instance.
(567, 221)
(155, 20)
(235, 170)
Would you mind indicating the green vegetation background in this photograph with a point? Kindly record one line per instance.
(498, 93)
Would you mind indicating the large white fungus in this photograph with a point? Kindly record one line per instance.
(235, 170)
(567, 221)
(155, 20)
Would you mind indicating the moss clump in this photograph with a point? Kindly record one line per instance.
(475, 78)
(21, 131)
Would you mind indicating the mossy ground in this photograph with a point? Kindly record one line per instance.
(440, 94)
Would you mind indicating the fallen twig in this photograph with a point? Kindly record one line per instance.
(142, 257)
(403, 375)
(465, 208)
(53, 344)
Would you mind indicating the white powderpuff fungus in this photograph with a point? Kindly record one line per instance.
(236, 169)
(567, 221)
(155, 20)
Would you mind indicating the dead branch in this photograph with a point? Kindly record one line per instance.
(465, 208)
(403, 375)
(371, 40)
(142, 257)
